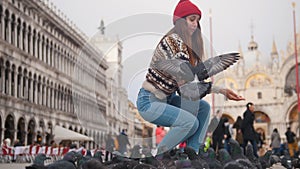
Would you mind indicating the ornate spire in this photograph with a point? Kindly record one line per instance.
(274, 49)
(252, 44)
(102, 27)
(241, 51)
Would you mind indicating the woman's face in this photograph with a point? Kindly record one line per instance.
(192, 22)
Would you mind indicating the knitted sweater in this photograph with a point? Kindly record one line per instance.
(158, 82)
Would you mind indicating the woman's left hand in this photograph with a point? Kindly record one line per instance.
(231, 95)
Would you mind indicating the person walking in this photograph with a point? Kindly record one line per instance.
(168, 96)
(292, 142)
(109, 147)
(249, 134)
(123, 142)
(218, 135)
(239, 135)
(275, 142)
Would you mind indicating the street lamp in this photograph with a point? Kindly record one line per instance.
(297, 73)
(211, 53)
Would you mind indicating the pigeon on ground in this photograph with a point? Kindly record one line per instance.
(286, 160)
(68, 162)
(196, 161)
(93, 164)
(98, 156)
(38, 162)
(250, 155)
(149, 158)
(265, 159)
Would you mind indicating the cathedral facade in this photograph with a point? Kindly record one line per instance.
(268, 81)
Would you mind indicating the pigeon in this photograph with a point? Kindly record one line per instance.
(68, 161)
(237, 154)
(38, 162)
(212, 160)
(144, 166)
(286, 160)
(236, 151)
(182, 70)
(233, 165)
(250, 155)
(93, 164)
(149, 159)
(98, 156)
(265, 159)
(224, 156)
(215, 65)
(196, 161)
(195, 90)
(178, 68)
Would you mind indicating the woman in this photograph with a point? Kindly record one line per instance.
(157, 100)
(275, 142)
(237, 125)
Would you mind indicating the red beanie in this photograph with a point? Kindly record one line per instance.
(185, 8)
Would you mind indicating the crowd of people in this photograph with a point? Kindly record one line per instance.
(243, 131)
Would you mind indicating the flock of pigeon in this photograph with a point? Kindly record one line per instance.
(174, 159)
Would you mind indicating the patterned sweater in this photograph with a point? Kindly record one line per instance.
(170, 47)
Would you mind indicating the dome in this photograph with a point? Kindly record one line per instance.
(252, 45)
(253, 57)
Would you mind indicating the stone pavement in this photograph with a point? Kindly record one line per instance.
(13, 165)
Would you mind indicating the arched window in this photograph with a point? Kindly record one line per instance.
(259, 95)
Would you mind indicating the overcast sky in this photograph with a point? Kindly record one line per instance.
(233, 22)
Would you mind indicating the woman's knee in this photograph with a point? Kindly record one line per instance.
(192, 125)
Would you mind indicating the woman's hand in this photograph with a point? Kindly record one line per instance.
(231, 95)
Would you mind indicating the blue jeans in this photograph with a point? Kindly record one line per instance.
(188, 119)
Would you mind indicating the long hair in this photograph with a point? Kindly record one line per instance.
(194, 43)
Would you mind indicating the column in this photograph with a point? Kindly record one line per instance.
(2, 28)
(15, 83)
(21, 85)
(30, 90)
(2, 79)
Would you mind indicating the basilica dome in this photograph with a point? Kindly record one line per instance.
(254, 58)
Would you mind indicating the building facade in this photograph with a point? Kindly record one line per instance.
(49, 75)
(267, 80)
(121, 114)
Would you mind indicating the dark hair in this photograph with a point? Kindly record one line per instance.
(275, 130)
(194, 44)
(249, 104)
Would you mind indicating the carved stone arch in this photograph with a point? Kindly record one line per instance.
(41, 129)
(229, 117)
(70, 127)
(9, 127)
(6, 23)
(1, 126)
(290, 82)
(292, 117)
(258, 80)
(1, 11)
(49, 133)
(31, 131)
(21, 130)
(7, 64)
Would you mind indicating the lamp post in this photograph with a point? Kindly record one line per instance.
(297, 73)
(211, 53)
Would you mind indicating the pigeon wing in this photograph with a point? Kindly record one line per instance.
(217, 64)
(176, 67)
